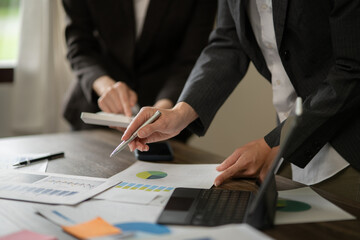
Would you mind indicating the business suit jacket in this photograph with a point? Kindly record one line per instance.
(100, 36)
(319, 46)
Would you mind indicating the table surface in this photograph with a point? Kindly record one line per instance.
(87, 154)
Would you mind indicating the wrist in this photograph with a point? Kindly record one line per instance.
(186, 112)
(102, 83)
(264, 145)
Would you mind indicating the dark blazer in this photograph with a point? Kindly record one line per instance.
(100, 36)
(319, 46)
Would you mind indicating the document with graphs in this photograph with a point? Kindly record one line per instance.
(51, 188)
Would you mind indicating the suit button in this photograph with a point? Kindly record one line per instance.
(286, 55)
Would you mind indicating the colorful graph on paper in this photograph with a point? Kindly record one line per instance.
(37, 185)
(143, 187)
(286, 205)
(151, 175)
(51, 187)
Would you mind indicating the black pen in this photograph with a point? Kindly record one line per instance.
(31, 160)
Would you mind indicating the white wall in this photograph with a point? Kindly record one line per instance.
(248, 114)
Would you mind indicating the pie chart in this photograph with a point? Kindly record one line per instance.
(286, 205)
(151, 175)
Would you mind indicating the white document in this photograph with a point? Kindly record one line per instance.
(303, 205)
(225, 232)
(106, 119)
(158, 180)
(51, 188)
(7, 226)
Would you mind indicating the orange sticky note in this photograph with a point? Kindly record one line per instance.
(94, 228)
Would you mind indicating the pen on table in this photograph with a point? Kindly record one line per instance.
(36, 159)
(123, 144)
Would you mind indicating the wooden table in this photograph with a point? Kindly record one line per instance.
(87, 154)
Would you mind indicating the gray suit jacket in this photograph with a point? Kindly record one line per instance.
(319, 45)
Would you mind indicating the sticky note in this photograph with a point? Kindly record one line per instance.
(94, 228)
(27, 235)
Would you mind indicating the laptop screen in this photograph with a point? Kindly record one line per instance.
(262, 210)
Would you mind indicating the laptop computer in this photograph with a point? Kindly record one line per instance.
(212, 207)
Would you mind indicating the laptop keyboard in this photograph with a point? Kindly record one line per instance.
(220, 206)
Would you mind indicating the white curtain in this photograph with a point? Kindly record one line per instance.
(42, 74)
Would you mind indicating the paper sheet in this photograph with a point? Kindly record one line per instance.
(304, 205)
(158, 180)
(135, 221)
(51, 188)
(7, 226)
(112, 212)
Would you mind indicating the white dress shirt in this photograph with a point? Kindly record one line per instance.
(327, 162)
(140, 8)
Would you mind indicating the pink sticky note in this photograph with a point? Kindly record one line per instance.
(27, 235)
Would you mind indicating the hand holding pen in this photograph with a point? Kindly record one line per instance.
(171, 122)
(124, 143)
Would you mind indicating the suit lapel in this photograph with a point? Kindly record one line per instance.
(155, 13)
(279, 16)
(247, 37)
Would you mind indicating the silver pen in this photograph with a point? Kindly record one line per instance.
(123, 144)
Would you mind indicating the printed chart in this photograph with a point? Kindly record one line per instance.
(143, 187)
(304, 205)
(51, 188)
(168, 175)
(152, 183)
(286, 205)
(151, 175)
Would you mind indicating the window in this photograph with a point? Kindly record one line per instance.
(9, 37)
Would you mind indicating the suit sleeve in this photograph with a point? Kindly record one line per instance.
(196, 37)
(83, 47)
(219, 69)
(332, 107)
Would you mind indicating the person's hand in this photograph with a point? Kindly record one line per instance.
(247, 161)
(115, 97)
(270, 158)
(169, 124)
